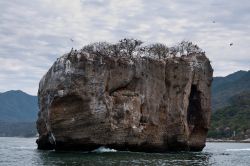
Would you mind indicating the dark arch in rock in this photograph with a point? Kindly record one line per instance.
(195, 120)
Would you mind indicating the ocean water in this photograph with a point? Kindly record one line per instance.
(23, 152)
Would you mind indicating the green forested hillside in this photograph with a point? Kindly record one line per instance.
(232, 121)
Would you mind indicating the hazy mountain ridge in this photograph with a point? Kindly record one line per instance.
(17, 106)
(224, 88)
(18, 113)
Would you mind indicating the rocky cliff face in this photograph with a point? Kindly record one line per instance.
(137, 104)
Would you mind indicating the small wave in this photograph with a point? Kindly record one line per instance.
(26, 147)
(245, 149)
(103, 149)
(22, 148)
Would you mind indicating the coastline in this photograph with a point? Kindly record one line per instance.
(228, 140)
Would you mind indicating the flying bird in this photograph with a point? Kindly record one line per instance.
(213, 21)
(71, 40)
(231, 44)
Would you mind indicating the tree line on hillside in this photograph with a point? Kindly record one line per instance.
(232, 121)
(18, 129)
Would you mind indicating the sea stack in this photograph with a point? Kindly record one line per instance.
(126, 96)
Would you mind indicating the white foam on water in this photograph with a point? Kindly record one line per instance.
(245, 149)
(24, 148)
(103, 149)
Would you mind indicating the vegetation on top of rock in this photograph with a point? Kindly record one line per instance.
(134, 48)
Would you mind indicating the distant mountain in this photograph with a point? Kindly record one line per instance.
(18, 113)
(224, 88)
(17, 106)
(231, 106)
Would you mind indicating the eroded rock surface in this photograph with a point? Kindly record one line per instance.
(137, 104)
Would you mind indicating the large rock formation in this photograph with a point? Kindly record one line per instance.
(137, 104)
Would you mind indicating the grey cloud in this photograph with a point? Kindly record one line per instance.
(95, 3)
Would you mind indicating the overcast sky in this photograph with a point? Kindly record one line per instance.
(33, 33)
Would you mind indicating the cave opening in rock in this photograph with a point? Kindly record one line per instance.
(195, 119)
(194, 107)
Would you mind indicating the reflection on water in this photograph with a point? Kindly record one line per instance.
(22, 151)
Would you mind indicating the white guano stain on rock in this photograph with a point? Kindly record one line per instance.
(60, 93)
(68, 68)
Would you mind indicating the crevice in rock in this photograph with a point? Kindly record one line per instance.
(129, 86)
(195, 119)
(143, 118)
(194, 115)
(122, 87)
